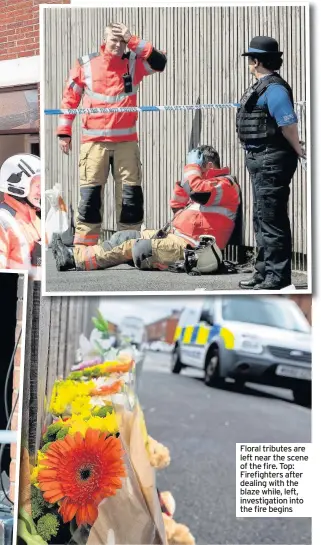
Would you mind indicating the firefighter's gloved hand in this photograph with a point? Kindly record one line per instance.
(195, 157)
(36, 255)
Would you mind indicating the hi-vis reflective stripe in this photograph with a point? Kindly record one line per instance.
(202, 334)
(87, 240)
(79, 90)
(110, 99)
(148, 68)
(90, 259)
(65, 122)
(186, 237)
(140, 47)
(87, 71)
(214, 210)
(132, 67)
(219, 194)
(109, 132)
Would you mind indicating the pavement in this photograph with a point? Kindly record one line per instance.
(200, 426)
(125, 278)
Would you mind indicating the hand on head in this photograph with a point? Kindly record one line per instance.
(195, 156)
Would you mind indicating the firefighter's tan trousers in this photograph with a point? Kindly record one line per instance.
(95, 161)
(165, 251)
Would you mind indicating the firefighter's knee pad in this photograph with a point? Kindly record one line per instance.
(89, 210)
(142, 252)
(132, 209)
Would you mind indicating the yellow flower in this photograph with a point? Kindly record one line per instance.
(106, 424)
(35, 470)
(81, 405)
(78, 424)
(34, 475)
(110, 423)
(41, 456)
(65, 392)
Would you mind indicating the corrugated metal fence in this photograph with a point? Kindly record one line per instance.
(52, 338)
(204, 64)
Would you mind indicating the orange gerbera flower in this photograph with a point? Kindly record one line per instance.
(107, 389)
(80, 472)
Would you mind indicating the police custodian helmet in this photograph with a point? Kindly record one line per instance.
(263, 45)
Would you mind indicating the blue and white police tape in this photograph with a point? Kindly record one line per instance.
(138, 109)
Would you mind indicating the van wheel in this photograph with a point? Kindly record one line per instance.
(303, 396)
(176, 365)
(212, 369)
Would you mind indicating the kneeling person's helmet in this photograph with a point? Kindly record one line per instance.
(206, 258)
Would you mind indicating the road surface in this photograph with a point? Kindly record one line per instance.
(125, 278)
(201, 425)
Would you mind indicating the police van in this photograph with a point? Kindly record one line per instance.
(250, 339)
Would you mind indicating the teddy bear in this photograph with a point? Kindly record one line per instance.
(176, 533)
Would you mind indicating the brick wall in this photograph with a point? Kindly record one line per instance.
(19, 27)
(16, 381)
(305, 304)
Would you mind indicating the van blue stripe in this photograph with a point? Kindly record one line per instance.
(183, 333)
(215, 329)
(194, 334)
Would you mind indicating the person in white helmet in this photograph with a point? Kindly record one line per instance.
(20, 233)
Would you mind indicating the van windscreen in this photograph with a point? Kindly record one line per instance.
(274, 313)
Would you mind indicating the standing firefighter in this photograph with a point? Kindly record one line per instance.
(205, 204)
(267, 128)
(20, 233)
(108, 78)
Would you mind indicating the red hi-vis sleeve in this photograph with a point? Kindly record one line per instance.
(180, 198)
(71, 98)
(194, 184)
(4, 248)
(193, 181)
(142, 48)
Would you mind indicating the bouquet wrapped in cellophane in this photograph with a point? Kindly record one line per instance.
(92, 481)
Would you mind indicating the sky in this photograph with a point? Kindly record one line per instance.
(150, 309)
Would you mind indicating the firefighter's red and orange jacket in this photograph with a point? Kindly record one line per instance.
(212, 203)
(20, 232)
(97, 79)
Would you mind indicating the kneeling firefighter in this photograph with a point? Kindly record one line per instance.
(20, 232)
(205, 205)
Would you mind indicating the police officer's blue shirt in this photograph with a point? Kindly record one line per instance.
(277, 99)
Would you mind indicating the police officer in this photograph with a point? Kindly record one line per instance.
(266, 124)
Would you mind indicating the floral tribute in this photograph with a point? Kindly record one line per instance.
(81, 460)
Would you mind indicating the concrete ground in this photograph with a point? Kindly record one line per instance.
(125, 278)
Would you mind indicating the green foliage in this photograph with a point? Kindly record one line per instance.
(75, 375)
(52, 431)
(38, 504)
(46, 446)
(92, 372)
(103, 411)
(101, 324)
(48, 526)
(62, 433)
